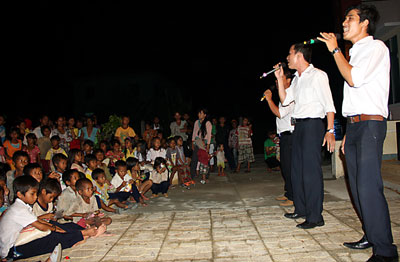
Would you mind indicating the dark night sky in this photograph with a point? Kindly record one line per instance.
(220, 50)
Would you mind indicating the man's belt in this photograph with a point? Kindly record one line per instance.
(362, 117)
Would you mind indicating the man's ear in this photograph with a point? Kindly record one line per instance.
(365, 24)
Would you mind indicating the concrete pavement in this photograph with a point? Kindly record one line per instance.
(234, 218)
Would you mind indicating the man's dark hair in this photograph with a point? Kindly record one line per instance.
(120, 163)
(51, 185)
(23, 183)
(81, 182)
(97, 172)
(19, 154)
(29, 167)
(366, 12)
(57, 158)
(66, 176)
(305, 50)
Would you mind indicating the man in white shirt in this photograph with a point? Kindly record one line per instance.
(311, 94)
(365, 104)
(284, 129)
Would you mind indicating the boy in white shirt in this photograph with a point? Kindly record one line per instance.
(123, 184)
(20, 215)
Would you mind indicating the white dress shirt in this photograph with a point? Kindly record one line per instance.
(311, 94)
(283, 123)
(18, 216)
(371, 77)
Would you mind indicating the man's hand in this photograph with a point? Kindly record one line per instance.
(329, 39)
(329, 140)
(268, 94)
(278, 73)
(342, 145)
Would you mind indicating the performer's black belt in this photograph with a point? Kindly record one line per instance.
(286, 133)
(297, 120)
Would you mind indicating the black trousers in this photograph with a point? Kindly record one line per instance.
(363, 152)
(160, 188)
(307, 180)
(286, 162)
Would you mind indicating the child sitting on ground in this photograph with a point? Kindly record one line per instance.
(87, 147)
(91, 163)
(20, 215)
(85, 210)
(155, 151)
(60, 162)
(34, 170)
(160, 177)
(104, 191)
(124, 183)
(115, 154)
(20, 160)
(99, 154)
(44, 145)
(270, 149)
(75, 160)
(55, 149)
(32, 149)
(69, 194)
(140, 180)
(11, 146)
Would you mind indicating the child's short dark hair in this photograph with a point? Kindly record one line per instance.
(19, 154)
(90, 157)
(57, 158)
(88, 142)
(131, 162)
(120, 163)
(98, 150)
(176, 138)
(44, 128)
(170, 140)
(51, 186)
(66, 176)
(29, 167)
(79, 184)
(56, 137)
(97, 172)
(158, 161)
(115, 141)
(23, 183)
(31, 136)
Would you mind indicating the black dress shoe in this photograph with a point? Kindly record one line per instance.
(294, 216)
(377, 258)
(361, 244)
(309, 225)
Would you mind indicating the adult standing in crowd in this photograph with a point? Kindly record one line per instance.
(365, 104)
(202, 129)
(178, 127)
(89, 132)
(284, 129)
(312, 96)
(64, 133)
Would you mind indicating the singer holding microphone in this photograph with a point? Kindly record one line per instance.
(284, 129)
(365, 105)
(312, 97)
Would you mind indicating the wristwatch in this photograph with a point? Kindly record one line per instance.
(336, 50)
(330, 131)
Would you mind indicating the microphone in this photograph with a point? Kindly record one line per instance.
(268, 73)
(316, 41)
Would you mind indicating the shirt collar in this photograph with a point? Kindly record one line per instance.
(308, 69)
(23, 203)
(360, 42)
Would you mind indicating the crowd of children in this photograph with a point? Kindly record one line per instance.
(60, 177)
